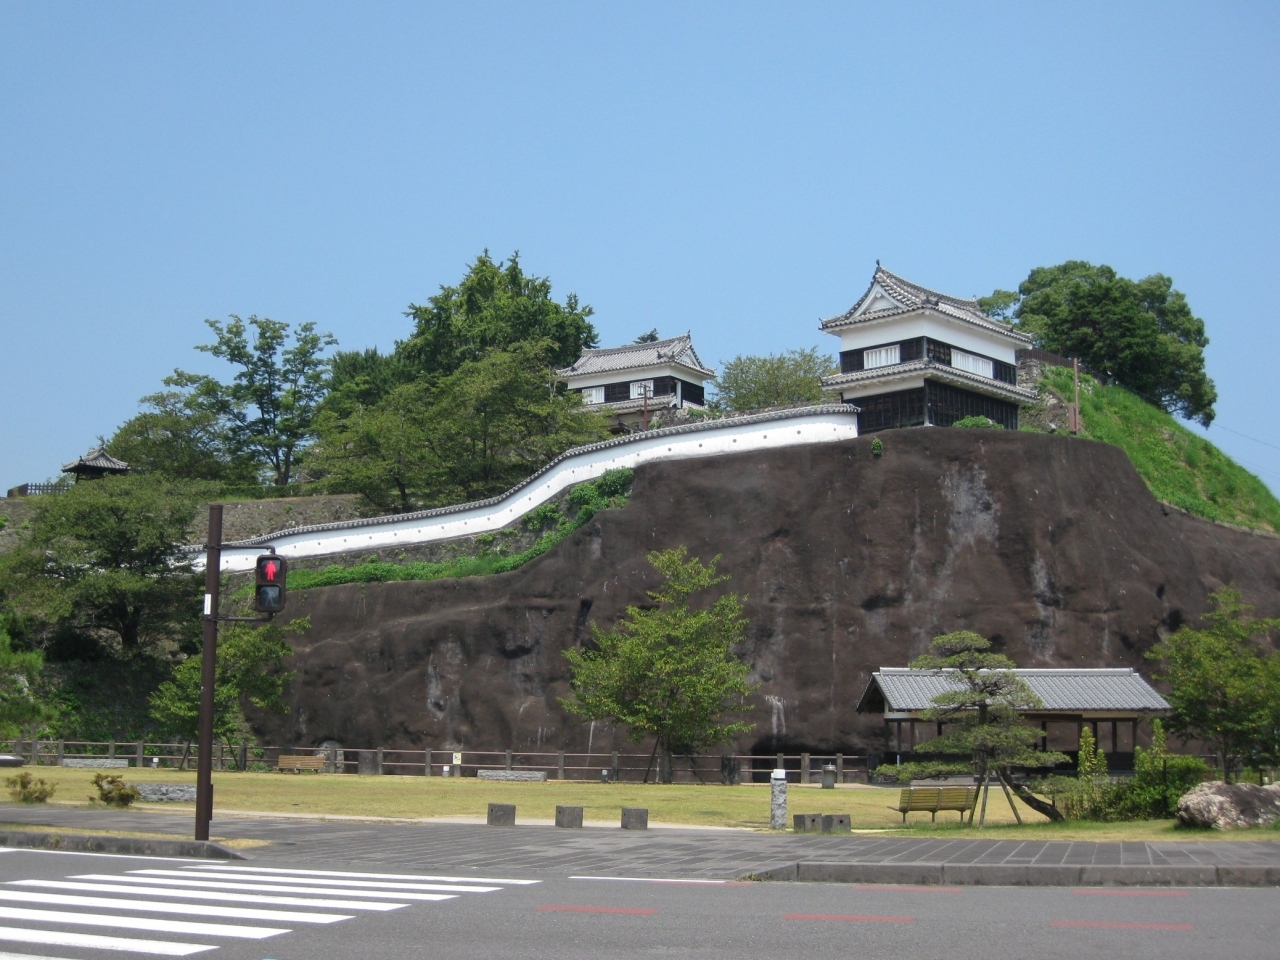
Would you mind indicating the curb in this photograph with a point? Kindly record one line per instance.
(129, 846)
(1025, 875)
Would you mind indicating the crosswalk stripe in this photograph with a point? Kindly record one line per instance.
(267, 888)
(145, 891)
(6, 955)
(322, 882)
(190, 909)
(142, 923)
(56, 938)
(357, 876)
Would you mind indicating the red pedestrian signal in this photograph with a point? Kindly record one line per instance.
(269, 583)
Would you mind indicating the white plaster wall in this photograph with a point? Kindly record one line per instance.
(643, 373)
(955, 332)
(728, 436)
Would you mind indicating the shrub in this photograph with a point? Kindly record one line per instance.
(877, 447)
(1159, 781)
(113, 791)
(979, 423)
(24, 788)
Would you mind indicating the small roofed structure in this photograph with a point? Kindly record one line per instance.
(95, 465)
(1115, 697)
(641, 380)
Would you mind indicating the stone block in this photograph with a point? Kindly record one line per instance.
(836, 823)
(94, 763)
(913, 874)
(529, 776)
(1243, 875)
(367, 763)
(807, 822)
(635, 818)
(569, 817)
(167, 792)
(1138, 875)
(8, 760)
(502, 814)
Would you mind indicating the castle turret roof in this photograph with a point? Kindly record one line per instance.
(677, 350)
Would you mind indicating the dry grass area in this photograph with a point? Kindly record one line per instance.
(745, 806)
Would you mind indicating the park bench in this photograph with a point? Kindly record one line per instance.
(297, 763)
(934, 799)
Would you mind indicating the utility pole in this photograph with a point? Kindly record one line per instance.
(645, 387)
(1075, 407)
(208, 673)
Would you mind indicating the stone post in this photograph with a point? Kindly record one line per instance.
(839, 768)
(140, 754)
(508, 761)
(616, 769)
(111, 749)
(560, 764)
(242, 758)
(62, 750)
(378, 767)
(804, 768)
(778, 800)
(426, 771)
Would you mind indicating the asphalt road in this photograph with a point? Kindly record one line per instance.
(79, 906)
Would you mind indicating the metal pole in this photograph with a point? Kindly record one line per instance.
(208, 674)
(1075, 376)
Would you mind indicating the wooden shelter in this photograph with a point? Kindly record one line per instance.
(1111, 700)
(95, 465)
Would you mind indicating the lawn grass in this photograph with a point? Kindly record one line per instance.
(1178, 466)
(711, 805)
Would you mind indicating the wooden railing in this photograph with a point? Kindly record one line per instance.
(557, 765)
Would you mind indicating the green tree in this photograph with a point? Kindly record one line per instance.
(495, 307)
(104, 558)
(382, 452)
(1222, 687)
(250, 672)
(1140, 334)
(19, 673)
(669, 670)
(359, 379)
(1000, 305)
(983, 711)
(498, 419)
(649, 337)
(270, 405)
(753, 383)
(181, 436)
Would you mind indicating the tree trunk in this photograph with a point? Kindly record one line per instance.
(186, 752)
(1004, 785)
(1034, 802)
(986, 790)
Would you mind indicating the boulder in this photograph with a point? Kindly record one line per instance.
(1230, 806)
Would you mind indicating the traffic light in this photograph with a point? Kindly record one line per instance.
(268, 594)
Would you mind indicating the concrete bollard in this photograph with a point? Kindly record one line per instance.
(502, 814)
(807, 822)
(778, 800)
(570, 817)
(836, 823)
(635, 818)
(829, 777)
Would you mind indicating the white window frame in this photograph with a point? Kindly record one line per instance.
(882, 356)
(637, 389)
(593, 394)
(972, 363)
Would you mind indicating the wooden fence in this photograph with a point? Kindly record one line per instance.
(557, 765)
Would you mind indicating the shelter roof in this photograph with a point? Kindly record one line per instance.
(903, 690)
(96, 460)
(888, 295)
(634, 356)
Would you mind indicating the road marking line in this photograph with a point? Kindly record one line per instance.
(190, 909)
(856, 918)
(142, 923)
(1131, 893)
(146, 891)
(636, 911)
(660, 880)
(340, 885)
(266, 888)
(5, 955)
(362, 876)
(93, 942)
(1121, 925)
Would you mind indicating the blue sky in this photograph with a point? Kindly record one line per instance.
(733, 169)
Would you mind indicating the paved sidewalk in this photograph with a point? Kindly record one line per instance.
(689, 853)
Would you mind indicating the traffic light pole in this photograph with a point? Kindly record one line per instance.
(208, 673)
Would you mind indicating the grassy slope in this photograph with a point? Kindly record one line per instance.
(1179, 467)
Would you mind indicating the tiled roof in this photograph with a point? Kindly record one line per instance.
(912, 297)
(930, 368)
(1073, 689)
(637, 356)
(96, 459)
(626, 406)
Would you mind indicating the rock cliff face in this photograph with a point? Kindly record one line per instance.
(1050, 546)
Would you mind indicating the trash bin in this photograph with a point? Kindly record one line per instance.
(829, 777)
